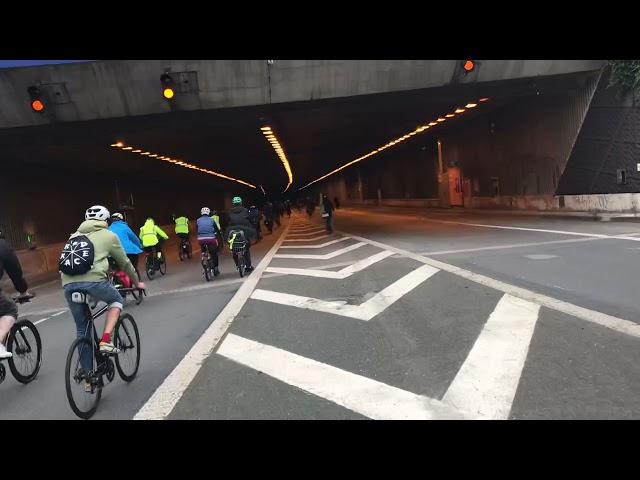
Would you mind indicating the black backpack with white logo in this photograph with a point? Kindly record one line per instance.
(77, 256)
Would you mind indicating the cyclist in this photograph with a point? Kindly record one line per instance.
(182, 228)
(130, 242)
(239, 220)
(8, 309)
(216, 219)
(149, 235)
(94, 282)
(267, 210)
(207, 233)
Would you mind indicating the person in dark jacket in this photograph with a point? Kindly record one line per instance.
(8, 311)
(268, 215)
(328, 210)
(239, 220)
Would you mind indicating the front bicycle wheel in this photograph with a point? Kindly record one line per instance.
(127, 339)
(82, 399)
(137, 296)
(150, 268)
(24, 342)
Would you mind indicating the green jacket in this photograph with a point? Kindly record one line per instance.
(182, 225)
(149, 234)
(105, 244)
(216, 218)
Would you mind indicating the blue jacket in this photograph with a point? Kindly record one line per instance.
(206, 227)
(129, 240)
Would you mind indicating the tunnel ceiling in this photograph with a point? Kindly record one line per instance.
(317, 136)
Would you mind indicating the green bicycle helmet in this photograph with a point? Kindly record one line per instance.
(236, 201)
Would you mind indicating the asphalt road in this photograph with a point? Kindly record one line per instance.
(399, 314)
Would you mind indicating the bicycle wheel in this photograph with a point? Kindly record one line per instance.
(137, 296)
(207, 273)
(127, 339)
(189, 251)
(150, 268)
(163, 265)
(181, 253)
(24, 342)
(83, 403)
(241, 264)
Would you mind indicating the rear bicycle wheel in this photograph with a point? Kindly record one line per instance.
(150, 268)
(83, 403)
(25, 344)
(207, 272)
(241, 264)
(189, 250)
(162, 264)
(181, 252)
(127, 340)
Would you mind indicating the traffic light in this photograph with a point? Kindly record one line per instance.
(468, 66)
(37, 102)
(168, 91)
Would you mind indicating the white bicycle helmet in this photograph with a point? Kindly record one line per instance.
(117, 216)
(205, 211)
(97, 212)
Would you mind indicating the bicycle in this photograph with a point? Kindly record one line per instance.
(89, 381)
(25, 344)
(207, 264)
(237, 248)
(154, 264)
(121, 281)
(184, 250)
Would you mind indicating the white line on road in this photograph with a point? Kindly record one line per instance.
(326, 256)
(320, 245)
(609, 321)
(51, 316)
(172, 388)
(541, 230)
(362, 395)
(486, 383)
(307, 234)
(306, 239)
(365, 311)
(341, 274)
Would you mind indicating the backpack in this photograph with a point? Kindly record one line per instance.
(77, 256)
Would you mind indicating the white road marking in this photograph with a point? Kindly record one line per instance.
(609, 321)
(320, 245)
(540, 257)
(486, 383)
(307, 234)
(541, 230)
(326, 256)
(365, 311)
(172, 388)
(362, 395)
(341, 274)
(306, 239)
(51, 316)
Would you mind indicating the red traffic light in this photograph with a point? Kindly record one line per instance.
(37, 106)
(468, 66)
(37, 102)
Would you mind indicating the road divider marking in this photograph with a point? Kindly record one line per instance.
(486, 383)
(320, 245)
(365, 311)
(326, 256)
(341, 274)
(359, 394)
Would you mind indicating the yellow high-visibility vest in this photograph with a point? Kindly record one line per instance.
(182, 225)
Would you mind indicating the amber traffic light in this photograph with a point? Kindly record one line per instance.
(37, 102)
(168, 91)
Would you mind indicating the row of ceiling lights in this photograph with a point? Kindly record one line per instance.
(175, 161)
(420, 129)
(273, 140)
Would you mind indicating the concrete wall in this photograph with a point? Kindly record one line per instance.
(525, 144)
(95, 90)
